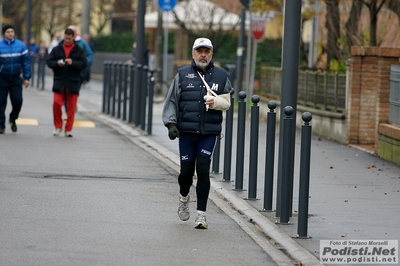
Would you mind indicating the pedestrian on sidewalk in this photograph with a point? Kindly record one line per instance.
(67, 61)
(193, 113)
(88, 52)
(14, 60)
(42, 56)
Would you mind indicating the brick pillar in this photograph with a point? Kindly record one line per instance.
(369, 89)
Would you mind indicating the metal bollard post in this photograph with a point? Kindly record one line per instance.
(240, 141)
(106, 77)
(110, 72)
(137, 94)
(125, 91)
(216, 155)
(114, 87)
(286, 166)
(119, 98)
(131, 92)
(228, 141)
(143, 96)
(151, 95)
(253, 161)
(269, 157)
(304, 186)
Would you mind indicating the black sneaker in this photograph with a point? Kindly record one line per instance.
(2, 130)
(13, 126)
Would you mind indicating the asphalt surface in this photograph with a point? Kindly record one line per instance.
(108, 196)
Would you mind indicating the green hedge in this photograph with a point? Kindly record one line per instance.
(118, 43)
(269, 52)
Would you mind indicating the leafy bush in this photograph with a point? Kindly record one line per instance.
(115, 43)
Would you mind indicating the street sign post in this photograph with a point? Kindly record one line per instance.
(165, 6)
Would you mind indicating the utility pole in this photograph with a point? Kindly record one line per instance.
(85, 18)
(28, 21)
(290, 73)
(1, 14)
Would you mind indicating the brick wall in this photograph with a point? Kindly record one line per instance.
(369, 89)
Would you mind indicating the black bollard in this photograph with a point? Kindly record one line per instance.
(150, 108)
(304, 186)
(132, 74)
(119, 98)
(106, 77)
(254, 125)
(109, 91)
(137, 94)
(216, 155)
(228, 141)
(286, 166)
(270, 157)
(143, 96)
(114, 87)
(125, 92)
(240, 141)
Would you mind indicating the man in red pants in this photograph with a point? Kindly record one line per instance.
(67, 61)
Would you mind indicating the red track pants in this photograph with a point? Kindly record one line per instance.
(58, 103)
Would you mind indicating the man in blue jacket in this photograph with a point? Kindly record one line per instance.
(14, 60)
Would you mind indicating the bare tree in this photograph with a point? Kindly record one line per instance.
(333, 26)
(202, 18)
(56, 15)
(103, 10)
(374, 6)
(352, 23)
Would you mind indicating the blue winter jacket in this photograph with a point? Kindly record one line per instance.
(14, 58)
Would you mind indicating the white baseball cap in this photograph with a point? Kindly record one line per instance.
(202, 42)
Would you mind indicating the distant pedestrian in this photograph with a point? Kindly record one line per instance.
(14, 60)
(86, 48)
(54, 42)
(33, 52)
(42, 55)
(67, 61)
(145, 55)
(88, 70)
(193, 113)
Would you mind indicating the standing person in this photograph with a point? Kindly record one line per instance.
(193, 113)
(86, 47)
(14, 60)
(145, 54)
(86, 37)
(67, 61)
(42, 55)
(33, 52)
(54, 42)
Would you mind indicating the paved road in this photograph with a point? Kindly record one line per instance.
(353, 194)
(100, 199)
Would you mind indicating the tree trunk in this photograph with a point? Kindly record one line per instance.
(352, 23)
(333, 25)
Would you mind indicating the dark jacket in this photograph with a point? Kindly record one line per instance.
(67, 76)
(184, 105)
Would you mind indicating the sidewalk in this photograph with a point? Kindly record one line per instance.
(353, 195)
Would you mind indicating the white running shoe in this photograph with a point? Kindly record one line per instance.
(57, 132)
(183, 209)
(201, 220)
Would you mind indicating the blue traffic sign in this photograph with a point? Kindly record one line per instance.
(166, 5)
